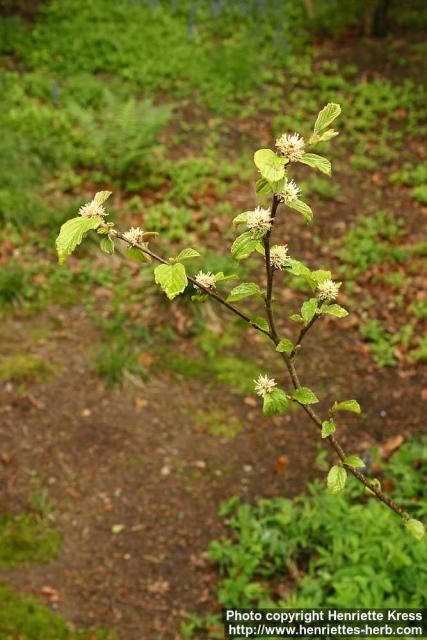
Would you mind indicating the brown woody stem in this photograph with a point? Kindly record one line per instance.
(273, 335)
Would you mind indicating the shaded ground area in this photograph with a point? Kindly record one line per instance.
(131, 460)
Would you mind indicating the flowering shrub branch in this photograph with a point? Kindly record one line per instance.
(170, 274)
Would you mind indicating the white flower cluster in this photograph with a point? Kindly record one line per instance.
(328, 290)
(259, 221)
(92, 209)
(207, 280)
(264, 385)
(292, 146)
(290, 192)
(279, 256)
(135, 235)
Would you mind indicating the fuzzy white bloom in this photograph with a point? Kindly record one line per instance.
(264, 385)
(92, 209)
(328, 290)
(135, 235)
(292, 146)
(290, 192)
(259, 221)
(207, 280)
(279, 256)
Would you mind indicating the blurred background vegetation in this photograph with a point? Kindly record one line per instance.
(164, 103)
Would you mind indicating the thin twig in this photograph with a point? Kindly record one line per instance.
(302, 333)
(210, 292)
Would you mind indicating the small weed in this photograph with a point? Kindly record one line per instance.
(370, 242)
(411, 175)
(112, 361)
(42, 505)
(419, 354)
(363, 163)
(12, 283)
(175, 222)
(325, 189)
(397, 279)
(420, 194)
(383, 343)
(419, 309)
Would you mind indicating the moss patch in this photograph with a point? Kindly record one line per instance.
(237, 373)
(218, 423)
(25, 538)
(24, 368)
(26, 618)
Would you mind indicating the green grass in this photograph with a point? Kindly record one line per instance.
(218, 423)
(25, 368)
(25, 538)
(237, 373)
(24, 617)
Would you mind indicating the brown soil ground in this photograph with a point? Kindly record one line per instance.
(132, 456)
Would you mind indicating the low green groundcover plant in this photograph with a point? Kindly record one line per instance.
(277, 193)
(26, 618)
(323, 551)
(27, 538)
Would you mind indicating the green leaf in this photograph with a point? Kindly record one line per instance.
(275, 403)
(271, 166)
(220, 277)
(326, 116)
(296, 318)
(186, 254)
(199, 297)
(323, 137)
(302, 207)
(347, 405)
(308, 309)
(337, 477)
(320, 275)
(376, 483)
(72, 233)
(297, 268)
(117, 528)
(262, 187)
(261, 322)
(133, 253)
(101, 197)
(244, 290)
(304, 395)
(334, 310)
(242, 217)
(107, 245)
(317, 162)
(171, 278)
(284, 345)
(354, 461)
(243, 246)
(415, 528)
(328, 428)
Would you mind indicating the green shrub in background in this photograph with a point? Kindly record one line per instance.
(320, 550)
(121, 138)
